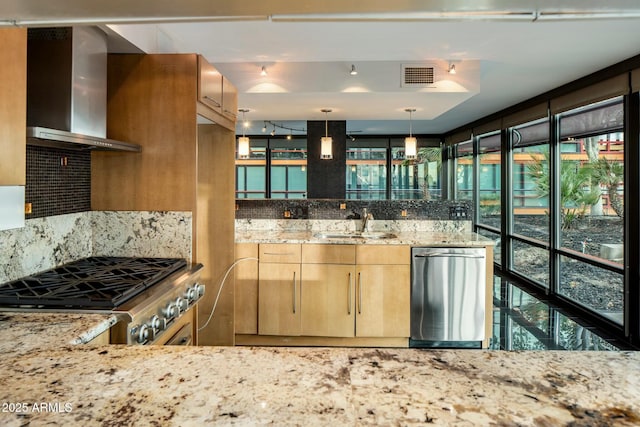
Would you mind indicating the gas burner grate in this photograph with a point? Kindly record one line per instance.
(94, 282)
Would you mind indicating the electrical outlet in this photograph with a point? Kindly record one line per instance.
(403, 213)
(343, 206)
(458, 212)
(27, 208)
(287, 214)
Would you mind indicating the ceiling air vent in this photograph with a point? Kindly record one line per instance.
(416, 75)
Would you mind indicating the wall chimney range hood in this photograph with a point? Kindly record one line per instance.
(67, 89)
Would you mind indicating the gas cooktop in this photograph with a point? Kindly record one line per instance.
(89, 283)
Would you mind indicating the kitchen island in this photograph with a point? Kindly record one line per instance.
(48, 381)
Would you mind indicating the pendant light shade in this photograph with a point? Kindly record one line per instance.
(243, 147)
(410, 142)
(326, 142)
(243, 141)
(410, 147)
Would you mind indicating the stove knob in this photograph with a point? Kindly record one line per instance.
(143, 334)
(199, 288)
(190, 294)
(181, 304)
(170, 311)
(155, 323)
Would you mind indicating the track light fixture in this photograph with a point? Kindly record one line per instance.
(410, 142)
(452, 69)
(263, 72)
(264, 128)
(243, 141)
(353, 72)
(326, 142)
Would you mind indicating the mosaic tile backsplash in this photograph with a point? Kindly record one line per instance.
(58, 181)
(333, 209)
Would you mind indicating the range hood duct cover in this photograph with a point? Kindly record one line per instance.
(67, 89)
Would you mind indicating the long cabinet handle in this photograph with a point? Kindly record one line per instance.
(359, 293)
(213, 100)
(294, 292)
(278, 253)
(349, 295)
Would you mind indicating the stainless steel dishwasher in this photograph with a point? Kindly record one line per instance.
(448, 297)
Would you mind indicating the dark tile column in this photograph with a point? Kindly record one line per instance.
(326, 178)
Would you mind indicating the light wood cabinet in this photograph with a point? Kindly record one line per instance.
(328, 300)
(13, 106)
(383, 306)
(320, 290)
(217, 96)
(209, 85)
(328, 290)
(229, 100)
(279, 311)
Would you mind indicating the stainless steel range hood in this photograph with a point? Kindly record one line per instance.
(67, 89)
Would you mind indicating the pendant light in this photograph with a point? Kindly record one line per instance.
(326, 142)
(243, 141)
(410, 143)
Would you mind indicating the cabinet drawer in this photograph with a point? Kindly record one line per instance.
(280, 252)
(328, 254)
(383, 254)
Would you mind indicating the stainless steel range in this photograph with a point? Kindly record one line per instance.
(153, 297)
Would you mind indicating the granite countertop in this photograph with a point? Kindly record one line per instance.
(401, 238)
(413, 233)
(48, 381)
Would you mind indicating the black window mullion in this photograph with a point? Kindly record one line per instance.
(555, 205)
(267, 171)
(632, 210)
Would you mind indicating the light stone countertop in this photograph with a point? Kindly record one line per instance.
(82, 385)
(407, 232)
(467, 239)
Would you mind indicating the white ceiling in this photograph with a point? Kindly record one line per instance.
(500, 62)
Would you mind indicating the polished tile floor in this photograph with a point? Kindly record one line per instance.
(523, 322)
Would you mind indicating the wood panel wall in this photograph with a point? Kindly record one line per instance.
(215, 227)
(13, 105)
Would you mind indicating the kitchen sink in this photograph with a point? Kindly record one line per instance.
(355, 235)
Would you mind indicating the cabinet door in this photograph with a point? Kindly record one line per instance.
(382, 300)
(328, 300)
(13, 106)
(229, 100)
(209, 85)
(279, 299)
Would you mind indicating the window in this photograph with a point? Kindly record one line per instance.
(286, 163)
(591, 185)
(463, 167)
(288, 168)
(489, 180)
(375, 169)
(251, 172)
(366, 174)
(529, 215)
(418, 178)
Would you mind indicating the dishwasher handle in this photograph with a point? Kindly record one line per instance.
(447, 255)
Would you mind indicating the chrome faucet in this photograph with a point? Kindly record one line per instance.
(366, 216)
